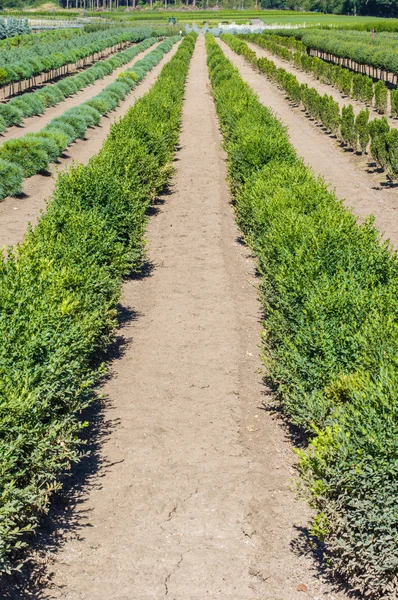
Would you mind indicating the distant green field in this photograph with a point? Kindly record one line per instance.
(227, 16)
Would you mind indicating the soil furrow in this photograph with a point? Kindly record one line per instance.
(355, 181)
(193, 498)
(16, 213)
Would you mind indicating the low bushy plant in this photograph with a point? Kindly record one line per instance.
(330, 293)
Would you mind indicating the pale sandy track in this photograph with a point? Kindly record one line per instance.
(346, 172)
(35, 124)
(193, 499)
(322, 88)
(16, 213)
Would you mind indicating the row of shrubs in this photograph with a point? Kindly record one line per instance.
(32, 153)
(379, 53)
(357, 86)
(356, 132)
(330, 293)
(35, 103)
(26, 62)
(59, 292)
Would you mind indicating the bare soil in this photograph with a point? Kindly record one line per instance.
(322, 88)
(193, 497)
(16, 213)
(354, 178)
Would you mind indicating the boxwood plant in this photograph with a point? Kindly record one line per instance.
(330, 294)
(59, 291)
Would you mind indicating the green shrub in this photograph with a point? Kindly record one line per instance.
(99, 104)
(331, 114)
(330, 293)
(60, 292)
(29, 104)
(344, 81)
(26, 153)
(381, 96)
(11, 176)
(11, 114)
(394, 103)
(347, 127)
(378, 130)
(392, 151)
(47, 143)
(362, 129)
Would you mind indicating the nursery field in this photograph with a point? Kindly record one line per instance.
(199, 315)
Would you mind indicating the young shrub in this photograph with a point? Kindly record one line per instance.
(34, 104)
(344, 82)
(50, 95)
(392, 152)
(378, 130)
(381, 95)
(3, 125)
(99, 104)
(62, 128)
(76, 121)
(67, 87)
(90, 114)
(48, 144)
(58, 136)
(11, 176)
(368, 91)
(347, 127)
(394, 103)
(11, 114)
(331, 114)
(27, 153)
(357, 86)
(362, 127)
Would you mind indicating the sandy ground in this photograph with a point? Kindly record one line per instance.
(360, 187)
(16, 213)
(193, 498)
(322, 88)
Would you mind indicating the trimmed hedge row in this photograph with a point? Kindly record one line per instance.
(35, 103)
(330, 294)
(380, 53)
(24, 62)
(32, 153)
(59, 291)
(358, 86)
(355, 132)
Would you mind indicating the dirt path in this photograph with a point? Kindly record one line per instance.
(322, 88)
(35, 124)
(16, 213)
(193, 498)
(346, 172)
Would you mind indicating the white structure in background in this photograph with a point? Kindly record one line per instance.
(256, 26)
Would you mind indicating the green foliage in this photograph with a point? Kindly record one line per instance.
(50, 54)
(34, 152)
(362, 129)
(394, 103)
(347, 127)
(330, 294)
(379, 129)
(381, 97)
(60, 291)
(27, 153)
(344, 81)
(11, 176)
